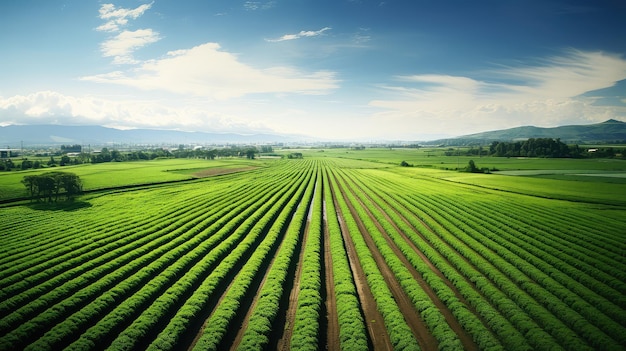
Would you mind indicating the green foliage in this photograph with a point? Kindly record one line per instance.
(51, 184)
(295, 155)
(516, 272)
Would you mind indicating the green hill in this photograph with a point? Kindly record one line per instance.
(610, 131)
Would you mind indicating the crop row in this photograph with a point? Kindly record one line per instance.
(183, 272)
(229, 306)
(477, 291)
(56, 240)
(167, 319)
(405, 261)
(263, 315)
(104, 237)
(437, 303)
(306, 325)
(563, 322)
(583, 254)
(400, 334)
(110, 267)
(500, 272)
(77, 272)
(70, 275)
(579, 229)
(392, 217)
(188, 228)
(554, 271)
(352, 330)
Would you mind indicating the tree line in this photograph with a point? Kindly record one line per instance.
(50, 186)
(533, 147)
(548, 147)
(112, 155)
(538, 147)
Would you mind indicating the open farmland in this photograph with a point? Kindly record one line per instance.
(319, 253)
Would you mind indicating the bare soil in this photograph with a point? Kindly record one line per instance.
(379, 338)
(411, 315)
(284, 342)
(465, 338)
(332, 330)
(251, 307)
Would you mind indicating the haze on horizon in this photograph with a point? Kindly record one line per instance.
(348, 69)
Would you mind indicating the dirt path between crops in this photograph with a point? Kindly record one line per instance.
(465, 338)
(209, 172)
(201, 330)
(332, 329)
(379, 338)
(457, 293)
(421, 332)
(255, 299)
(284, 342)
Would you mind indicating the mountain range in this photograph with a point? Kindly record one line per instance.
(609, 131)
(41, 135)
(15, 136)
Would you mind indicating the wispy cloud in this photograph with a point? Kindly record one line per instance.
(122, 45)
(301, 34)
(258, 5)
(206, 70)
(117, 17)
(544, 94)
(362, 36)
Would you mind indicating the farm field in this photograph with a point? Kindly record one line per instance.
(119, 174)
(327, 252)
(435, 158)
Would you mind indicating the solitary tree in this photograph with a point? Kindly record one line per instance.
(250, 153)
(471, 167)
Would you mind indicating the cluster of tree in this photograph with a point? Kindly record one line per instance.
(232, 151)
(9, 165)
(106, 155)
(294, 155)
(547, 147)
(49, 186)
(533, 147)
(471, 151)
(472, 168)
(71, 148)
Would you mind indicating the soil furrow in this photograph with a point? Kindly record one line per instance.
(379, 338)
(466, 339)
(285, 339)
(332, 321)
(411, 315)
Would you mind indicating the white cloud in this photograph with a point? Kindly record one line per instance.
(49, 107)
(124, 44)
(547, 94)
(117, 17)
(301, 34)
(258, 5)
(207, 71)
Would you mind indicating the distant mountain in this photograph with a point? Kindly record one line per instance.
(40, 135)
(605, 132)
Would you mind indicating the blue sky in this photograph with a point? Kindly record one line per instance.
(340, 69)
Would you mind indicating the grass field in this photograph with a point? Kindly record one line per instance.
(340, 250)
(118, 174)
